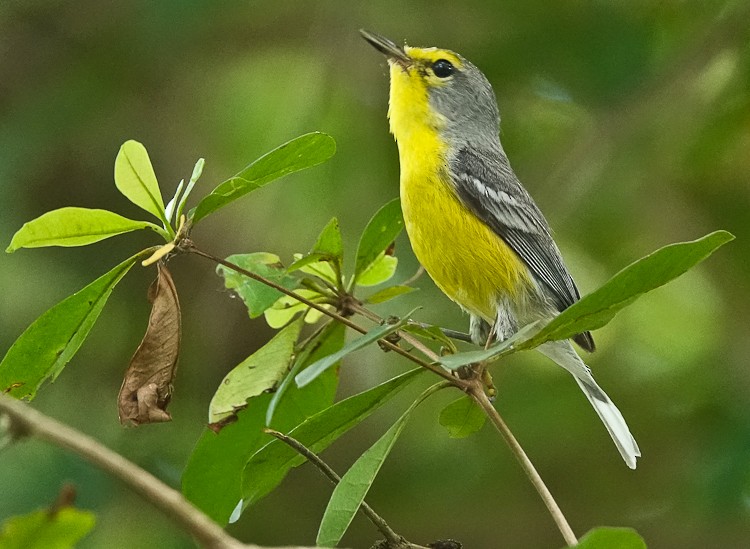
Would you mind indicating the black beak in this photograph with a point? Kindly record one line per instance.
(387, 47)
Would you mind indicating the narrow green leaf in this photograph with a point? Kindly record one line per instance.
(314, 370)
(648, 273)
(302, 152)
(598, 308)
(135, 178)
(267, 468)
(74, 227)
(257, 296)
(386, 294)
(379, 271)
(611, 538)
(212, 479)
(260, 372)
(197, 171)
(514, 343)
(354, 485)
(383, 228)
(61, 529)
(462, 417)
(46, 346)
(315, 396)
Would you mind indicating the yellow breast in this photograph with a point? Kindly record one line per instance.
(466, 259)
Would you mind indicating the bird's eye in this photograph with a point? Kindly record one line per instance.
(443, 68)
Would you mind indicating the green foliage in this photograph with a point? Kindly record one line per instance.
(59, 529)
(257, 296)
(323, 364)
(611, 538)
(350, 492)
(289, 384)
(213, 474)
(462, 417)
(268, 467)
(599, 307)
(74, 227)
(136, 180)
(380, 232)
(45, 347)
(260, 372)
(303, 152)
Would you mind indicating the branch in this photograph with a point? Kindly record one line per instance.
(26, 421)
(188, 246)
(394, 539)
(473, 386)
(478, 395)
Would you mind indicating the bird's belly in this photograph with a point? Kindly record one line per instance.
(466, 259)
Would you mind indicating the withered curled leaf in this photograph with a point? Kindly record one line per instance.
(147, 387)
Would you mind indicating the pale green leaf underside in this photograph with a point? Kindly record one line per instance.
(611, 538)
(462, 417)
(136, 180)
(261, 371)
(74, 227)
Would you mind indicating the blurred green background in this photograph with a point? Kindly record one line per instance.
(629, 122)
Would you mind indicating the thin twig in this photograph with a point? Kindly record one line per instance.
(394, 539)
(478, 395)
(26, 421)
(190, 247)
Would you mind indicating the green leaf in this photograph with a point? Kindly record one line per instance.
(287, 307)
(197, 171)
(61, 529)
(462, 417)
(350, 492)
(386, 294)
(611, 538)
(381, 231)
(258, 373)
(323, 364)
(267, 468)
(212, 479)
(315, 396)
(257, 296)
(656, 269)
(379, 271)
(598, 308)
(135, 178)
(74, 227)
(328, 248)
(46, 346)
(514, 343)
(302, 152)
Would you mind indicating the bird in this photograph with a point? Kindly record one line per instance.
(471, 224)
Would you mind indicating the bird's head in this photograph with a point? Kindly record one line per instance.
(437, 89)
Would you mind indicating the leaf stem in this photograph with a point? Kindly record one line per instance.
(476, 392)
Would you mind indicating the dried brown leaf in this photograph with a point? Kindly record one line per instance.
(147, 387)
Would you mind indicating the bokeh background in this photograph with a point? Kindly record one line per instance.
(628, 121)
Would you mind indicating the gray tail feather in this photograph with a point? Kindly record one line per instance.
(562, 353)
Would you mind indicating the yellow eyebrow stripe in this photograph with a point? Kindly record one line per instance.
(430, 55)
